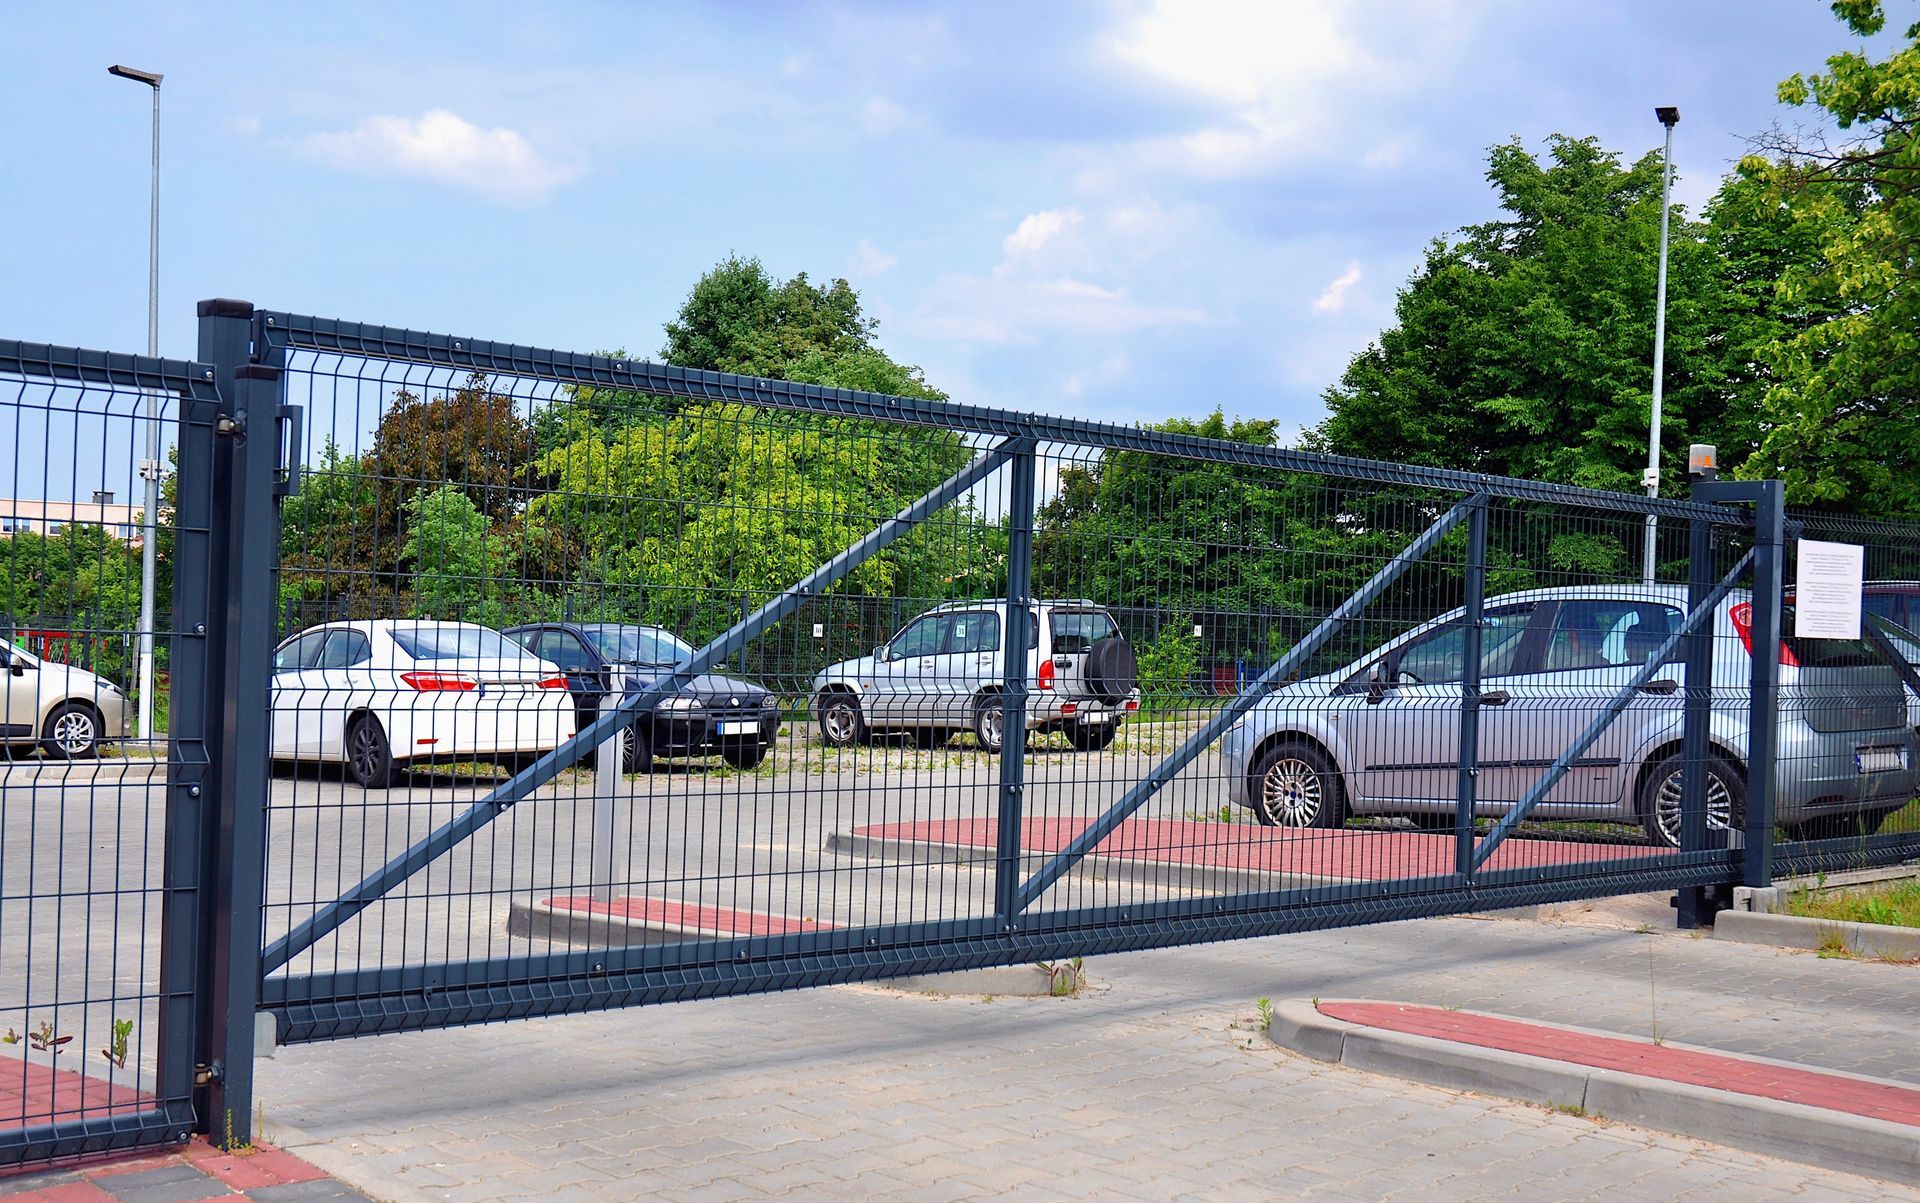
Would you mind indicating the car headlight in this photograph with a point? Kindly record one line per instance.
(681, 703)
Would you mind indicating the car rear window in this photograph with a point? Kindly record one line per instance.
(1076, 631)
(1827, 653)
(456, 643)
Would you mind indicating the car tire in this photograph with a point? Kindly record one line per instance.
(636, 756)
(1659, 801)
(990, 723)
(1110, 671)
(369, 756)
(841, 723)
(1093, 737)
(71, 732)
(1296, 785)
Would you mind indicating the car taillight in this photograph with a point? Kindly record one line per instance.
(440, 682)
(553, 682)
(1046, 674)
(1742, 616)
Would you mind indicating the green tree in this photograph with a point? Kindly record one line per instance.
(686, 512)
(457, 561)
(1842, 414)
(1524, 346)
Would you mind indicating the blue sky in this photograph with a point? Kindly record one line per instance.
(1116, 210)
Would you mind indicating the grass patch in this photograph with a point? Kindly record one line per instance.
(1906, 819)
(1893, 903)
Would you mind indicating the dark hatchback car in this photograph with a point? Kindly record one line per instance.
(713, 715)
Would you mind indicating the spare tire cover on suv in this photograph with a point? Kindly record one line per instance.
(1110, 671)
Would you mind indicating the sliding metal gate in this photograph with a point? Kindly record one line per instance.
(805, 685)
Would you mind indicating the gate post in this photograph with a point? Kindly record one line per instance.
(1473, 621)
(1698, 714)
(1013, 689)
(1769, 587)
(236, 704)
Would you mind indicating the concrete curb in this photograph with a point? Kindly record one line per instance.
(1834, 1140)
(1798, 931)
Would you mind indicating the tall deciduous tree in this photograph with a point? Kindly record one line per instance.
(1842, 416)
(1524, 346)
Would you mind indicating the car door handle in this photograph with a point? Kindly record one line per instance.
(1495, 697)
(1662, 686)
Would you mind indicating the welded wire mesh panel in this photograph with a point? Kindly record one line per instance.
(1850, 706)
(902, 686)
(84, 812)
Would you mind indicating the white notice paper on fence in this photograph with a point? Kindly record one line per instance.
(1826, 590)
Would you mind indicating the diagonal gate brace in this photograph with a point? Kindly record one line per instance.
(330, 917)
(1603, 720)
(1164, 772)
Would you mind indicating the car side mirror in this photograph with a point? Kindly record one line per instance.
(1377, 684)
(880, 653)
(16, 668)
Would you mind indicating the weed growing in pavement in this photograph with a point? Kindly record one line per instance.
(1833, 944)
(1265, 1007)
(46, 1038)
(1573, 1109)
(1065, 978)
(116, 1050)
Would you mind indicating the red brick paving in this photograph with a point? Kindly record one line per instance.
(1716, 1071)
(33, 1094)
(667, 913)
(1367, 855)
(229, 1175)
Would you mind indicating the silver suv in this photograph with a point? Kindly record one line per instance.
(1382, 735)
(942, 674)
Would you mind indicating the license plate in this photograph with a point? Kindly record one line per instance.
(739, 727)
(1879, 760)
(1099, 716)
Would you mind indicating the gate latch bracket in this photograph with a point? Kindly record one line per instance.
(207, 1075)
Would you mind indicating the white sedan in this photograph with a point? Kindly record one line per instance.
(379, 696)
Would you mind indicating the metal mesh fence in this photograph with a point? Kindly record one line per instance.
(89, 1049)
(1850, 699)
(486, 554)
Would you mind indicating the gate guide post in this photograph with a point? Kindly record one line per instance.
(247, 548)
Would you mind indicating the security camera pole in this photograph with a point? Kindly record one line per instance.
(1669, 117)
(150, 466)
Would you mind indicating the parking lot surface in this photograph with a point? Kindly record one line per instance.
(1150, 1086)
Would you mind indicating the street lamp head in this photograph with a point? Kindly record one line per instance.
(1668, 115)
(150, 78)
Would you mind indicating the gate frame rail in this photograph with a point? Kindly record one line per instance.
(188, 796)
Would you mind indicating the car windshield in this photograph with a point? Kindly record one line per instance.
(456, 643)
(628, 644)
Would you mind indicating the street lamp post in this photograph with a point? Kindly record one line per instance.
(150, 466)
(1669, 117)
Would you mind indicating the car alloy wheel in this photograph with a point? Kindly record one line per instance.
(1291, 792)
(1666, 806)
(368, 758)
(840, 722)
(990, 724)
(72, 733)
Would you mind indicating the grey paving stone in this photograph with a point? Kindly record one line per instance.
(325, 1190)
(168, 1184)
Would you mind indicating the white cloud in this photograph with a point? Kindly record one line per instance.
(999, 310)
(1036, 230)
(1334, 299)
(869, 260)
(1285, 76)
(881, 117)
(443, 147)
